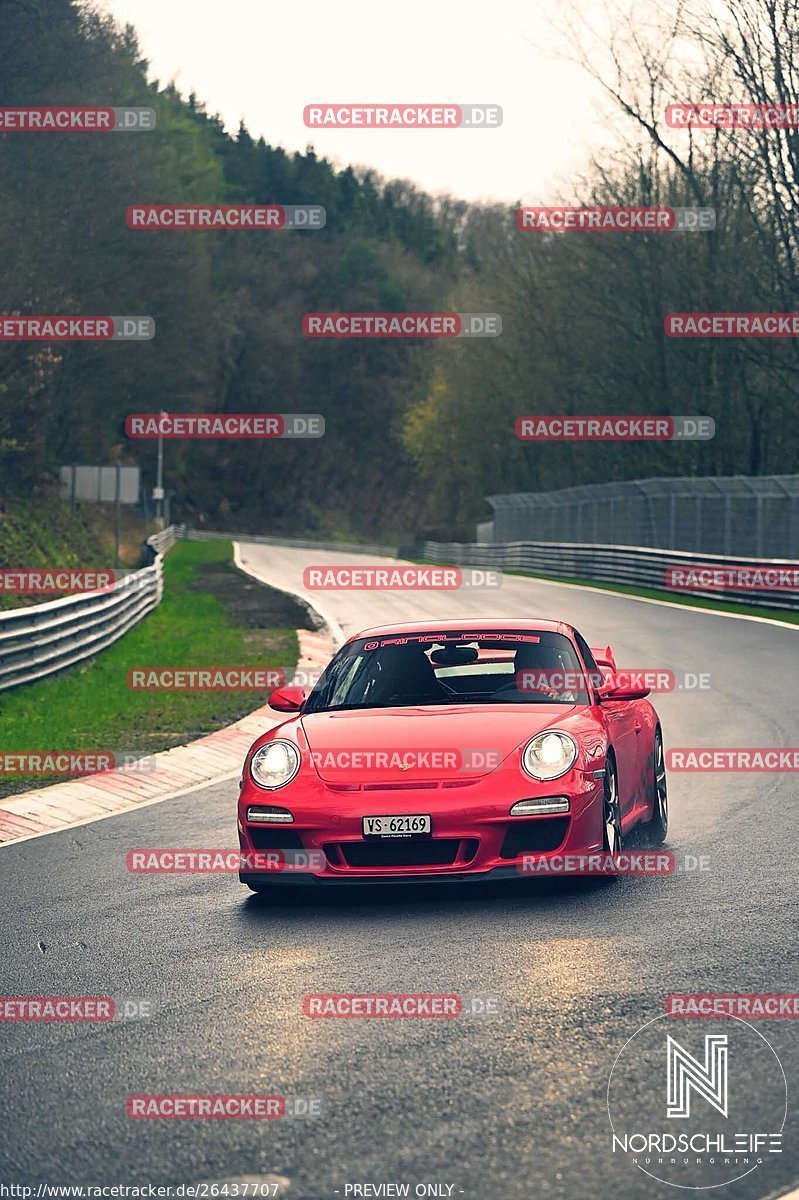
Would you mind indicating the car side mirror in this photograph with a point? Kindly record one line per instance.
(287, 699)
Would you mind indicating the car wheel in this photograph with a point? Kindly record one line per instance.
(658, 827)
(611, 813)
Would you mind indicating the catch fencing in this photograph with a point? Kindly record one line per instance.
(751, 516)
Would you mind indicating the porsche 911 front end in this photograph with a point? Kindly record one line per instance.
(421, 755)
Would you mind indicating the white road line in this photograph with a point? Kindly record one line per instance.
(792, 1195)
(134, 806)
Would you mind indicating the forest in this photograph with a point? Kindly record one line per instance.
(418, 431)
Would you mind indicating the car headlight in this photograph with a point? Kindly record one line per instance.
(549, 755)
(275, 764)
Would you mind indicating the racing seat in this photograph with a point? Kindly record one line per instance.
(537, 658)
(406, 677)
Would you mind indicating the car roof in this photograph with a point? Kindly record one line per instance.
(472, 624)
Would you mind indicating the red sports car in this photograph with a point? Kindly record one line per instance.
(451, 751)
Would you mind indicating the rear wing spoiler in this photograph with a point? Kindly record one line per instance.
(603, 656)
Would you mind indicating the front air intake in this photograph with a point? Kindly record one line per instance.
(534, 837)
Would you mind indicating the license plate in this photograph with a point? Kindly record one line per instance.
(395, 826)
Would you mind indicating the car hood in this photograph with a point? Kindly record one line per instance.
(453, 743)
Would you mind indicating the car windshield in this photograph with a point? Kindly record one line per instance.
(527, 667)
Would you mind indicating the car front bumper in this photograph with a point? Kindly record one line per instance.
(472, 835)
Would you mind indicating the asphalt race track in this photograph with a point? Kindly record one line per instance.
(502, 1107)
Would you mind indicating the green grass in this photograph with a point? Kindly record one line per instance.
(43, 531)
(91, 706)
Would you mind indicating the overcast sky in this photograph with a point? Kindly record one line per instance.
(263, 61)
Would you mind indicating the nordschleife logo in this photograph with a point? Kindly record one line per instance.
(696, 1104)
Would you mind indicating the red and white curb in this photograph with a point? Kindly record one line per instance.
(215, 758)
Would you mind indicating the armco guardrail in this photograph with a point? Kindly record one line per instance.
(637, 565)
(46, 638)
(159, 543)
(204, 535)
